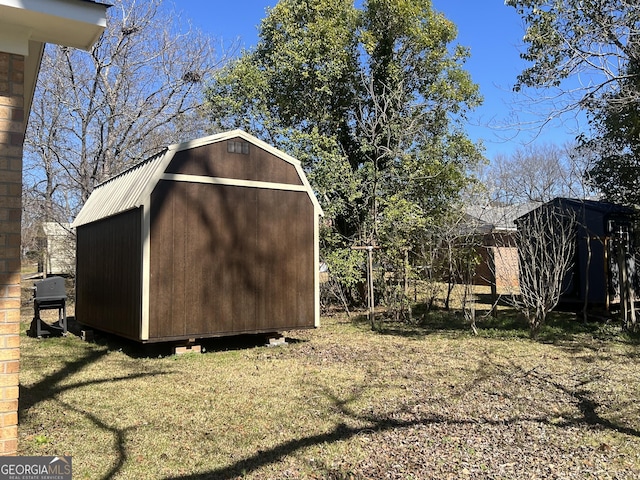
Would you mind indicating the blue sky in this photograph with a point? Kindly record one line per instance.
(491, 30)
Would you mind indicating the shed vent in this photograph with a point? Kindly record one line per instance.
(238, 147)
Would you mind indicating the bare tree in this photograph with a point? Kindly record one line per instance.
(97, 113)
(589, 42)
(546, 245)
(538, 173)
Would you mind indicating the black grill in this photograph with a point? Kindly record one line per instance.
(49, 294)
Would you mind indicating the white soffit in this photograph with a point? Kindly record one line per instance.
(72, 23)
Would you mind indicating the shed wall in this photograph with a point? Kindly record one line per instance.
(592, 277)
(214, 160)
(108, 292)
(498, 263)
(57, 250)
(229, 259)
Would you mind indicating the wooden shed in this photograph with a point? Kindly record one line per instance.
(495, 227)
(603, 252)
(57, 249)
(216, 236)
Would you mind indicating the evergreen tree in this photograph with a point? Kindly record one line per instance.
(372, 100)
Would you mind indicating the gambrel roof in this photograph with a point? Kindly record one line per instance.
(133, 187)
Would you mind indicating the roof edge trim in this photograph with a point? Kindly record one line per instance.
(221, 137)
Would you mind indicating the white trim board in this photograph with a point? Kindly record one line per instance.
(234, 182)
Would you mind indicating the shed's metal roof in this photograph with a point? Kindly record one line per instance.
(599, 206)
(492, 218)
(120, 193)
(131, 188)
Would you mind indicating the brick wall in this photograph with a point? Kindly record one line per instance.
(12, 124)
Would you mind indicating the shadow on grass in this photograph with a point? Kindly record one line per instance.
(51, 386)
(565, 329)
(589, 410)
(135, 349)
(426, 321)
(241, 342)
(587, 407)
(587, 415)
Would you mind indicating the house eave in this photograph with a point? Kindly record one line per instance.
(26, 25)
(72, 23)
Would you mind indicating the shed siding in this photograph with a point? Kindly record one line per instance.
(108, 293)
(506, 269)
(214, 161)
(229, 259)
(590, 279)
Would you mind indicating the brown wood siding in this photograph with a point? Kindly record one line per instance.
(108, 283)
(214, 161)
(498, 262)
(228, 260)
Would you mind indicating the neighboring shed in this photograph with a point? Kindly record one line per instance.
(56, 243)
(216, 236)
(495, 225)
(603, 243)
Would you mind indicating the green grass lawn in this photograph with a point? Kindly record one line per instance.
(342, 402)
